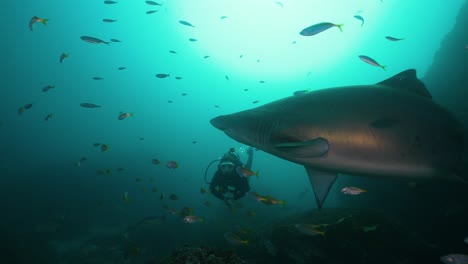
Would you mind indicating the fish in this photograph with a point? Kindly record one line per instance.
(173, 52)
(108, 20)
(123, 115)
(223, 17)
(82, 159)
(309, 229)
(93, 40)
(245, 172)
(329, 131)
(466, 240)
(393, 39)
(185, 23)
(97, 78)
(203, 191)
(372, 228)
(63, 56)
(353, 190)
(89, 105)
(149, 12)
(172, 164)
(257, 197)
(320, 27)
(104, 147)
(155, 161)
(234, 239)
(190, 219)
(152, 3)
(115, 40)
(121, 68)
(178, 78)
(24, 108)
(371, 61)
(193, 39)
(47, 88)
(454, 259)
(279, 3)
(125, 196)
(162, 75)
(36, 19)
(108, 2)
(256, 101)
(269, 200)
(206, 57)
(49, 116)
(358, 17)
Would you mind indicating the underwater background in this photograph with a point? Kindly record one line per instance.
(81, 185)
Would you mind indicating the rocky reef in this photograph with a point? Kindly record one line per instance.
(447, 77)
(199, 255)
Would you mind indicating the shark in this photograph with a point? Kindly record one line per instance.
(391, 129)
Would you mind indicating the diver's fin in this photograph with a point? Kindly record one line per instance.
(322, 182)
(407, 81)
(312, 148)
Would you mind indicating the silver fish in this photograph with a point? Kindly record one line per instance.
(93, 40)
(317, 28)
(89, 105)
(185, 23)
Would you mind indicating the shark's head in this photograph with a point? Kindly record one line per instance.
(239, 126)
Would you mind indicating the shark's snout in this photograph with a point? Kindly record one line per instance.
(219, 122)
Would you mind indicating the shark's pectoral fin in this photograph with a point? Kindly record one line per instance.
(322, 182)
(312, 148)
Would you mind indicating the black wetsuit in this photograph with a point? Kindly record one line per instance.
(221, 184)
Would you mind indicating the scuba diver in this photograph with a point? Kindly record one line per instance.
(227, 183)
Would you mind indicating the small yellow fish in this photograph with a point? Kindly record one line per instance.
(309, 229)
(245, 172)
(49, 116)
(104, 147)
(63, 56)
(234, 239)
(36, 19)
(123, 115)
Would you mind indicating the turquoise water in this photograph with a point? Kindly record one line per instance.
(255, 54)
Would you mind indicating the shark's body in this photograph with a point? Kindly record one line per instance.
(390, 129)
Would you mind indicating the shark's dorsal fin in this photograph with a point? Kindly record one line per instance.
(407, 80)
(322, 182)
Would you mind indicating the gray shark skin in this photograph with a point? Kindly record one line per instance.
(389, 129)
